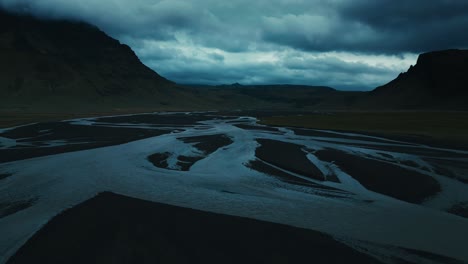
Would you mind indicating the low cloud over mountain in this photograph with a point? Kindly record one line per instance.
(252, 42)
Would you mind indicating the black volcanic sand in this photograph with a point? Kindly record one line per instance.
(159, 159)
(207, 144)
(437, 129)
(442, 167)
(75, 133)
(4, 175)
(385, 158)
(13, 207)
(163, 119)
(383, 177)
(410, 140)
(261, 166)
(421, 151)
(287, 156)
(315, 133)
(420, 140)
(406, 144)
(116, 229)
(460, 209)
(186, 162)
(261, 128)
(84, 137)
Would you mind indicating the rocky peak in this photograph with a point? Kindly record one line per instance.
(435, 72)
(439, 78)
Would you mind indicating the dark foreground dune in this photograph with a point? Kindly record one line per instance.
(112, 228)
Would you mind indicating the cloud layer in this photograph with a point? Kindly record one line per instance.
(345, 44)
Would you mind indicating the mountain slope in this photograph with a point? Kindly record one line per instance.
(51, 64)
(439, 80)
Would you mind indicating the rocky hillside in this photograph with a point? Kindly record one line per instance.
(439, 80)
(50, 64)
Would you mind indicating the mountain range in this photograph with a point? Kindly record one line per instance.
(61, 65)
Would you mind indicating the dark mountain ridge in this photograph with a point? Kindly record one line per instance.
(277, 96)
(54, 62)
(439, 80)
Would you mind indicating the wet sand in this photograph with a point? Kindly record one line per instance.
(77, 137)
(442, 167)
(331, 135)
(261, 128)
(159, 159)
(287, 156)
(415, 150)
(116, 229)
(460, 209)
(383, 177)
(165, 119)
(186, 162)
(4, 175)
(13, 207)
(208, 144)
(261, 166)
(435, 128)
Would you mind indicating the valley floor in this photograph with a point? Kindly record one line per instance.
(440, 128)
(393, 200)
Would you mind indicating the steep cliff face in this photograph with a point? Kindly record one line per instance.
(438, 80)
(46, 62)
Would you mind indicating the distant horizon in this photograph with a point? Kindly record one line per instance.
(268, 84)
(350, 89)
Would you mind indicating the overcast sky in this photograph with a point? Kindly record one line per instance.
(346, 44)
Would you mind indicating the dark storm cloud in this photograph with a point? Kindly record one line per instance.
(417, 26)
(283, 68)
(272, 40)
(374, 27)
(387, 14)
(359, 26)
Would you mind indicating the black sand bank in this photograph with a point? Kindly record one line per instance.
(112, 228)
